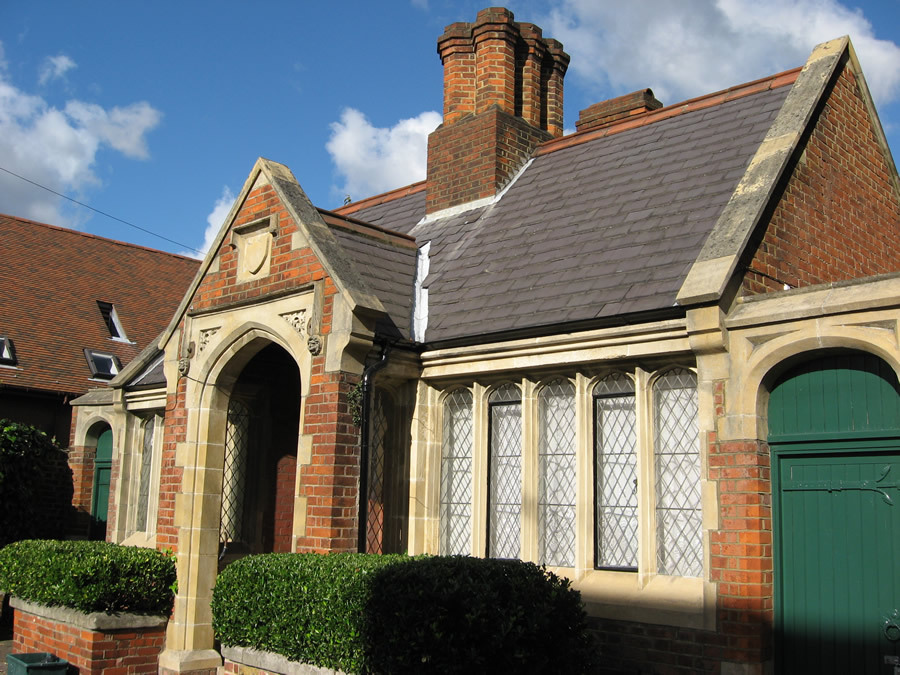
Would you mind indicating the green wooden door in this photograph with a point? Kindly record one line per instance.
(835, 438)
(102, 474)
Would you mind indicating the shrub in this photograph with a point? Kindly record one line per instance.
(304, 606)
(394, 614)
(468, 615)
(31, 464)
(91, 576)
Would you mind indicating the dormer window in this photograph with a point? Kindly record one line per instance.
(111, 318)
(103, 366)
(7, 352)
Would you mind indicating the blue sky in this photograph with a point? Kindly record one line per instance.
(155, 112)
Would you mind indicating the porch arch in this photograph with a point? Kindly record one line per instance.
(212, 382)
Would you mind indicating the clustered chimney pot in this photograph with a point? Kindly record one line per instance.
(503, 95)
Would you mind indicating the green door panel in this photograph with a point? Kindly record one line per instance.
(834, 433)
(839, 567)
(102, 475)
(848, 396)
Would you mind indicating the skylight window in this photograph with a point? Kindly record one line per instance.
(103, 366)
(7, 352)
(111, 318)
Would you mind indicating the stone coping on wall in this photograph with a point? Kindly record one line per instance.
(95, 621)
(273, 663)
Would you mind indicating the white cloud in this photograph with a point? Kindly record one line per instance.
(54, 67)
(373, 160)
(685, 49)
(58, 148)
(214, 222)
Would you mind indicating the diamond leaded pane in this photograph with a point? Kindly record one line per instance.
(556, 454)
(677, 463)
(144, 480)
(234, 482)
(375, 511)
(616, 473)
(505, 501)
(456, 474)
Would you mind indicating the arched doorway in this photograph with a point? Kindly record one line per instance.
(101, 482)
(834, 432)
(260, 456)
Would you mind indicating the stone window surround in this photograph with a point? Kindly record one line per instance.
(644, 595)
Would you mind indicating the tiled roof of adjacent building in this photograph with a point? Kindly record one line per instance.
(601, 226)
(52, 280)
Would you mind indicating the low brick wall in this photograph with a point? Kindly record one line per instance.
(114, 644)
(244, 661)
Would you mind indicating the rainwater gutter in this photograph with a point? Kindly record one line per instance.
(365, 414)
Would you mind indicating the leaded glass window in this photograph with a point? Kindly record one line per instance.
(616, 495)
(143, 503)
(375, 513)
(556, 468)
(456, 474)
(676, 441)
(505, 469)
(234, 482)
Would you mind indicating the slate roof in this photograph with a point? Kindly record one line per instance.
(53, 277)
(387, 262)
(601, 226)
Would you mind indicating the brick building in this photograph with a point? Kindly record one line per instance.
(657, 355)
(76, 309)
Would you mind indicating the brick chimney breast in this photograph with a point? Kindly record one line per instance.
(605, 113)
(503, 95)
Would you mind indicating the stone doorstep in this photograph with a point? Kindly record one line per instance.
(95, 621)
(273, 663)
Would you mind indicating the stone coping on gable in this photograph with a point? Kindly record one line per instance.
(273, 663)
(95, 621)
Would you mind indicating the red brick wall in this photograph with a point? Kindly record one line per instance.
(330, 482)
(81, 462)
(289, 267)
(170, 475)
(119, 652)
(477, 157)
(839, 217)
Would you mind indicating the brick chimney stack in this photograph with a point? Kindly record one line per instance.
(503, 95)
(609, 112)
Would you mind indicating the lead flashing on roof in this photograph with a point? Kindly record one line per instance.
(476, 204)
(420, 297)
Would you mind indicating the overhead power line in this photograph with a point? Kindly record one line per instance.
(102, 213)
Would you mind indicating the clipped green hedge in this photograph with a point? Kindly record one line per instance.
(473, 615)
(304, 606)
(91, 576)
(395, 614)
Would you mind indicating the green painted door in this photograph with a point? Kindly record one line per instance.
(835, 441)
(102, 474)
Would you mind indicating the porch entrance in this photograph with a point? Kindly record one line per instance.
(834, 432)
(260, 457)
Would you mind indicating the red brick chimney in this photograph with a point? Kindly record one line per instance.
(606, 112)
(503, 95)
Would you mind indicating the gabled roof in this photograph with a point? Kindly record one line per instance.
(387, 262)
(52, 279)
(600, 226)
(344, 273)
